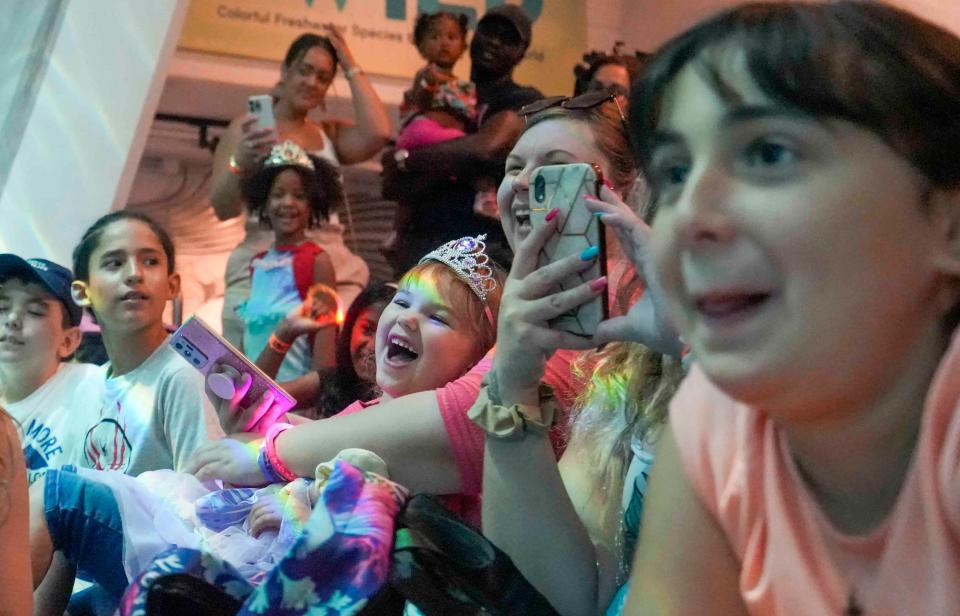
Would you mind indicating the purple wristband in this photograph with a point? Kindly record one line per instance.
(269, 473)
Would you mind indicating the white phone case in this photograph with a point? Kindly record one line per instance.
(562, 186)
(202, 347)
(261, 106)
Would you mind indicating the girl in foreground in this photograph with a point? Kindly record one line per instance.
(429, 335)
(808, 192)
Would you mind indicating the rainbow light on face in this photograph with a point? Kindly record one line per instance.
(424, 284)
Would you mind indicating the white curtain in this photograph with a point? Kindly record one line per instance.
(27, 33)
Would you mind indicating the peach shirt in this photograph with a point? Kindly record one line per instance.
(793, 560)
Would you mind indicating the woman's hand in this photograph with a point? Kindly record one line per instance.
(233, 415)
(344, 55)
(648, 321)
(530, 300)
(254, 146)
(228, 459)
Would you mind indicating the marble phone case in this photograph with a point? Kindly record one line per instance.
(562, 186)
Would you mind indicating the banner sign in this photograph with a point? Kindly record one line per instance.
(380, 32)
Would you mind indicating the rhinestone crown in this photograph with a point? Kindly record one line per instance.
(286, 154)
(468, 259)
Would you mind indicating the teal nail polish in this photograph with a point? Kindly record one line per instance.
(589, 253)
(599, 214)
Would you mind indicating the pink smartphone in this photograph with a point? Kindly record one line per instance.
(562, 186)
(203, 348)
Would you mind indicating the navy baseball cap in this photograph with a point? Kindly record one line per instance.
(54, 278)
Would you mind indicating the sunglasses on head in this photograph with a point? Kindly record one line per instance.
(585, 101)
(616, 88)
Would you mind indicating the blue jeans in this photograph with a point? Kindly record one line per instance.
(84, 523)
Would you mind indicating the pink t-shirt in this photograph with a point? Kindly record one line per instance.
(466, 439)
(793, 561)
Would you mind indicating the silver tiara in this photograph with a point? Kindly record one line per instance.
(288, 154)
(466, 257)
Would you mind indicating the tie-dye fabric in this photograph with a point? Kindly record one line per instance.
(339, 562)
(343, 556)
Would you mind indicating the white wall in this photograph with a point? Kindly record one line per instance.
(82, 143)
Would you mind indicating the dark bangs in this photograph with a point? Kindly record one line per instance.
(873, 65)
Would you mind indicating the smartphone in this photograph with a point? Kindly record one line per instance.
(203, 348)
(563, 187)
(261, 106)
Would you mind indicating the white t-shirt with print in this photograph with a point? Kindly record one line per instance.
(150, 418)
(53, 418)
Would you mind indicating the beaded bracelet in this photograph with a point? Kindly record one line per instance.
(270, 451)
(278, 346)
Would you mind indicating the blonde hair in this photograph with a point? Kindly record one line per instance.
(464, 303)
(625, 399)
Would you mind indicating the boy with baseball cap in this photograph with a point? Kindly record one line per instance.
(39, 332)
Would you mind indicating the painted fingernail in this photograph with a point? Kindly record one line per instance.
(588, 197)
(599, 284)
(599, 214)
(589, 253)
(607, 183)
(552, 214)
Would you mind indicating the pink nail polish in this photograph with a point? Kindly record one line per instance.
(599, 284)
(552, 214)
(607, 183)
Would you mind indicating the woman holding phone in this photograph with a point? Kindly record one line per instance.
(305, 75)
(570, 526)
